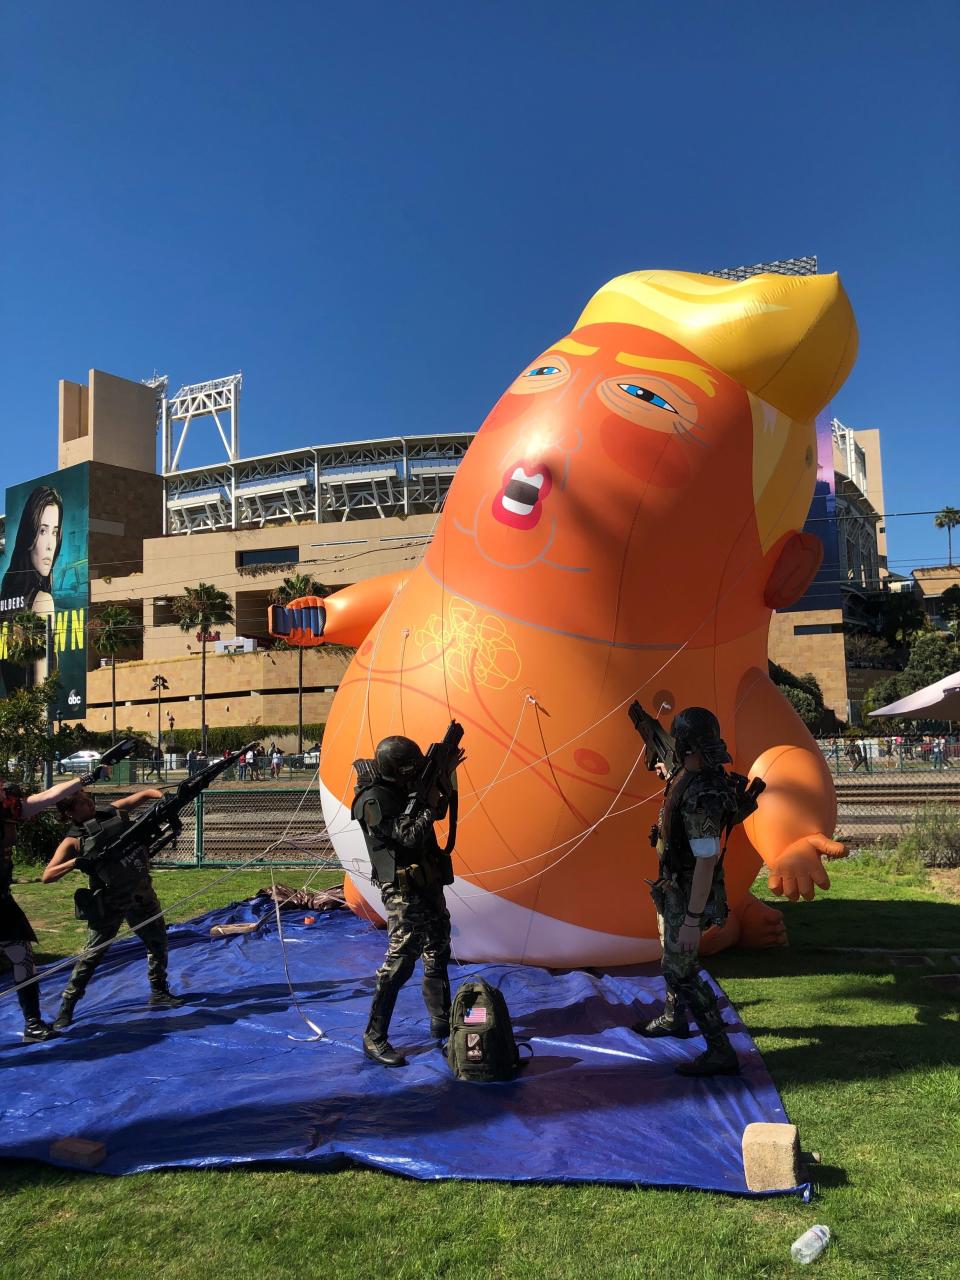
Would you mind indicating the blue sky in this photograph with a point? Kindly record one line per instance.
(380, 215)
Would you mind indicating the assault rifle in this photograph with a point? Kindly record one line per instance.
(441, 760)
(437, 772)
(660, 747)
(160, 825)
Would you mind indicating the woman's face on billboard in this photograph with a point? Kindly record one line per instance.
(44, 547)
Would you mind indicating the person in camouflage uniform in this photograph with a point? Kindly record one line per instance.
(410, 870)
(16, 934)
(700, 805)
(119, 891)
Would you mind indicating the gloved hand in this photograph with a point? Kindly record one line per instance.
(102, 771)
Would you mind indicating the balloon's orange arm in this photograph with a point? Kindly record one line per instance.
(799, 800)
(346, 617)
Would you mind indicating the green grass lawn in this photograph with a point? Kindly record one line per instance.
(865, 1054)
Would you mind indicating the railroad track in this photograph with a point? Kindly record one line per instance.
(895, 793)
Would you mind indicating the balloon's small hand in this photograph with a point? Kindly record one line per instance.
(799, 868)
(761, 925)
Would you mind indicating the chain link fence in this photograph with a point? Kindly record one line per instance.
(228, 826)
(880, 795)
(885, 787)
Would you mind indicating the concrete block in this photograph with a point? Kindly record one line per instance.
(84, 1153)
(771, 1156)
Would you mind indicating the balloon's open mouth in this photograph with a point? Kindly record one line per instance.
(520, 501)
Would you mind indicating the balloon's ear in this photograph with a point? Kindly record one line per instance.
(793, 571)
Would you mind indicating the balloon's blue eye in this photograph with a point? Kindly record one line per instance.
(646, 395)
(541, 371)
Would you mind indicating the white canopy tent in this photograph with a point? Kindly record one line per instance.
(939, 701)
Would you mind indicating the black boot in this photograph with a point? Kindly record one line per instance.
(161, 997)
(672, 1022)
(65, 1015)
(720, 1059)
(436, 996)
(35, 1029)
(375, 1043)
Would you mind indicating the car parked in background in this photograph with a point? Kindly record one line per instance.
(80, 762)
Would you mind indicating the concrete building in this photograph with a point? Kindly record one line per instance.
(258, 686)
(847, 515)
(337, 513)
(930, 583)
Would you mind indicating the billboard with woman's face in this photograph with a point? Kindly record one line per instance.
(43, 573)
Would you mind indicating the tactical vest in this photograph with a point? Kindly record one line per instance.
(374, 807)
(711, 789)
(376, 804)
(96, 835)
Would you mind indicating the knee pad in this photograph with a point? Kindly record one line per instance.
(397, 968)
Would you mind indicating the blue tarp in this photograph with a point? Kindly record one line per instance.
(232, 1077)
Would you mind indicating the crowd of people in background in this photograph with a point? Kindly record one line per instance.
(931, 751)
(251, 765)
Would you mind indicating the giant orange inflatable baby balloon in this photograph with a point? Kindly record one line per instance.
(622, 526)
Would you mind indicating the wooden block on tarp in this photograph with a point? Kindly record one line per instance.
(228, 930)
(771, 1156)
(83, 1152)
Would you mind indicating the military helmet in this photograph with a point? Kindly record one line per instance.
(698, 729)
(399, 759)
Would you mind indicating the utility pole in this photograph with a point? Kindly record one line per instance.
(48, 763)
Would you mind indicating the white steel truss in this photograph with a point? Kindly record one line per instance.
(779, 267)
(220, 396)
(158, 384)
(361, 479)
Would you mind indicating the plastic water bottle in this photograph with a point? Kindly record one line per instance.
(810, 1245)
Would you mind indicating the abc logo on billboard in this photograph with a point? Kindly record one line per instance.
(73, 698)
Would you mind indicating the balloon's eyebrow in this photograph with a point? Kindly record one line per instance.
(574, 348)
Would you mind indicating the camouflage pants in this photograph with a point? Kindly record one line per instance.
(134, 907)
(681, 969)
(418, 924)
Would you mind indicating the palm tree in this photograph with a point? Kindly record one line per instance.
(948, 519)
(110, 632)
(27, 643)
(202, 608)
(296, 587)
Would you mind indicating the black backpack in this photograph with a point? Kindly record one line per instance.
(481, 1045)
